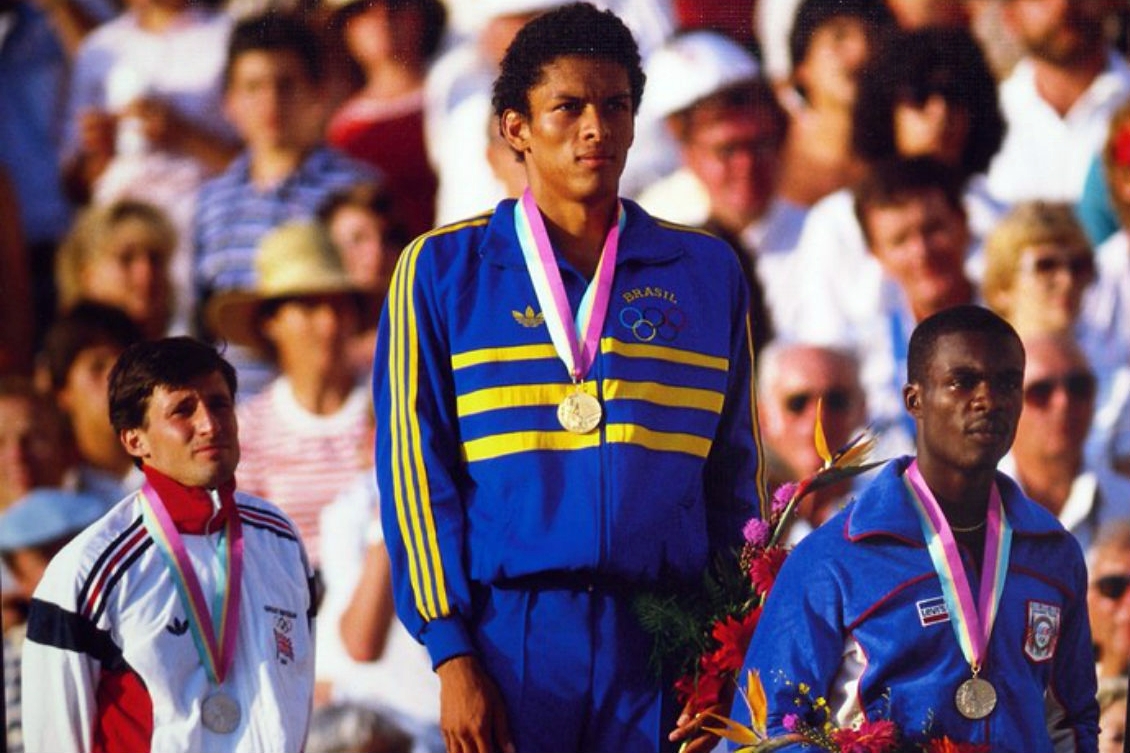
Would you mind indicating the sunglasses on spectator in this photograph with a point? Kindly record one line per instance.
(1081, 267)
(835, 399)
(1113, 586)
(1079, 385)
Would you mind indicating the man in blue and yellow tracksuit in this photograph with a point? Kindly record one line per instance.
(517, 536)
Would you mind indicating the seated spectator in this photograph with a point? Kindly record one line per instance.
(299, 435)
(273, 94)
(118, 254)
(1038, 264)
(35, 448)
(369, 236)
(1047, 457)
(1108, 598)
(1057, 99)
(391, 42)
(829, 45)
(729, 128)
(1108, 303)
(80, 349)
(1038, 269)
(143, 118)
(791, 379)
(914, 223)
(32, 530)
(928, 93)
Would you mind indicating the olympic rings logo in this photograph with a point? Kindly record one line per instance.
(651, 322)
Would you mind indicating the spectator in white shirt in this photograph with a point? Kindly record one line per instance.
(1047, 457)
(1058, 99)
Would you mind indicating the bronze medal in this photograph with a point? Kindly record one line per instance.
(579, 412)
(975, 698)
(220, 713)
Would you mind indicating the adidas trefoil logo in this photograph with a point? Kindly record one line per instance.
(177, 627)
(528, 318)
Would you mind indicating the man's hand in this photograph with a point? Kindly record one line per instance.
(688, 728)
(471, 713)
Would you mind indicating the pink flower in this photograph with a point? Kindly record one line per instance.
(756, 531)
(880, 736)
(783, 495)
(790, 721)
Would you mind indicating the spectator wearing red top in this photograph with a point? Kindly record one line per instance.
(391, 43)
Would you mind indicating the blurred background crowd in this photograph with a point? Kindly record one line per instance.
(248, 172)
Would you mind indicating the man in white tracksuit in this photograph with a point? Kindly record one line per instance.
(182, 620)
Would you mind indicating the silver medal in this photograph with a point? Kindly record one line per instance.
(975, 698)
(220, 713)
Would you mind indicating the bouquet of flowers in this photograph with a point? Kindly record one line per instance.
(701, 635)
(813, 727)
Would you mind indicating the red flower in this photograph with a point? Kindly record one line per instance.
(946, 745)
(763, 570)
(733, 637)
(879, 736)
(701, 692)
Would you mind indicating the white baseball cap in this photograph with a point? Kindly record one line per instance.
(693, 66)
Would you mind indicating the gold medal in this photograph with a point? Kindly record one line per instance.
(220, 713)
(975, 698)
(579, 412)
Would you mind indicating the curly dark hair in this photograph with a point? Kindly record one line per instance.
(911, 67)
(578, 29)
(956, 320)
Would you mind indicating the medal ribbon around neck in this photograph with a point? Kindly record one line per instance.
(223, 620)
(972, 623)
(576, 345)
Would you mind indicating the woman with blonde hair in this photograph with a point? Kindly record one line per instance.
(1038, 265)
(118, 254)
(1040, 274)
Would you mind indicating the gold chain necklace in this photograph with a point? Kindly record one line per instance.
(968, 529)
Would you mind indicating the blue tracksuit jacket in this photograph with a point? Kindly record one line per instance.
(482, 485)
(857, 613)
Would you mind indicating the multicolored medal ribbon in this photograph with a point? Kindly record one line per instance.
(972, 622)
(219, 712)
(576, 338)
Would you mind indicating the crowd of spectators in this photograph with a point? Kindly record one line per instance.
(249, 175)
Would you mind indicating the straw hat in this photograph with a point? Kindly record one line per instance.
(295, 260)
